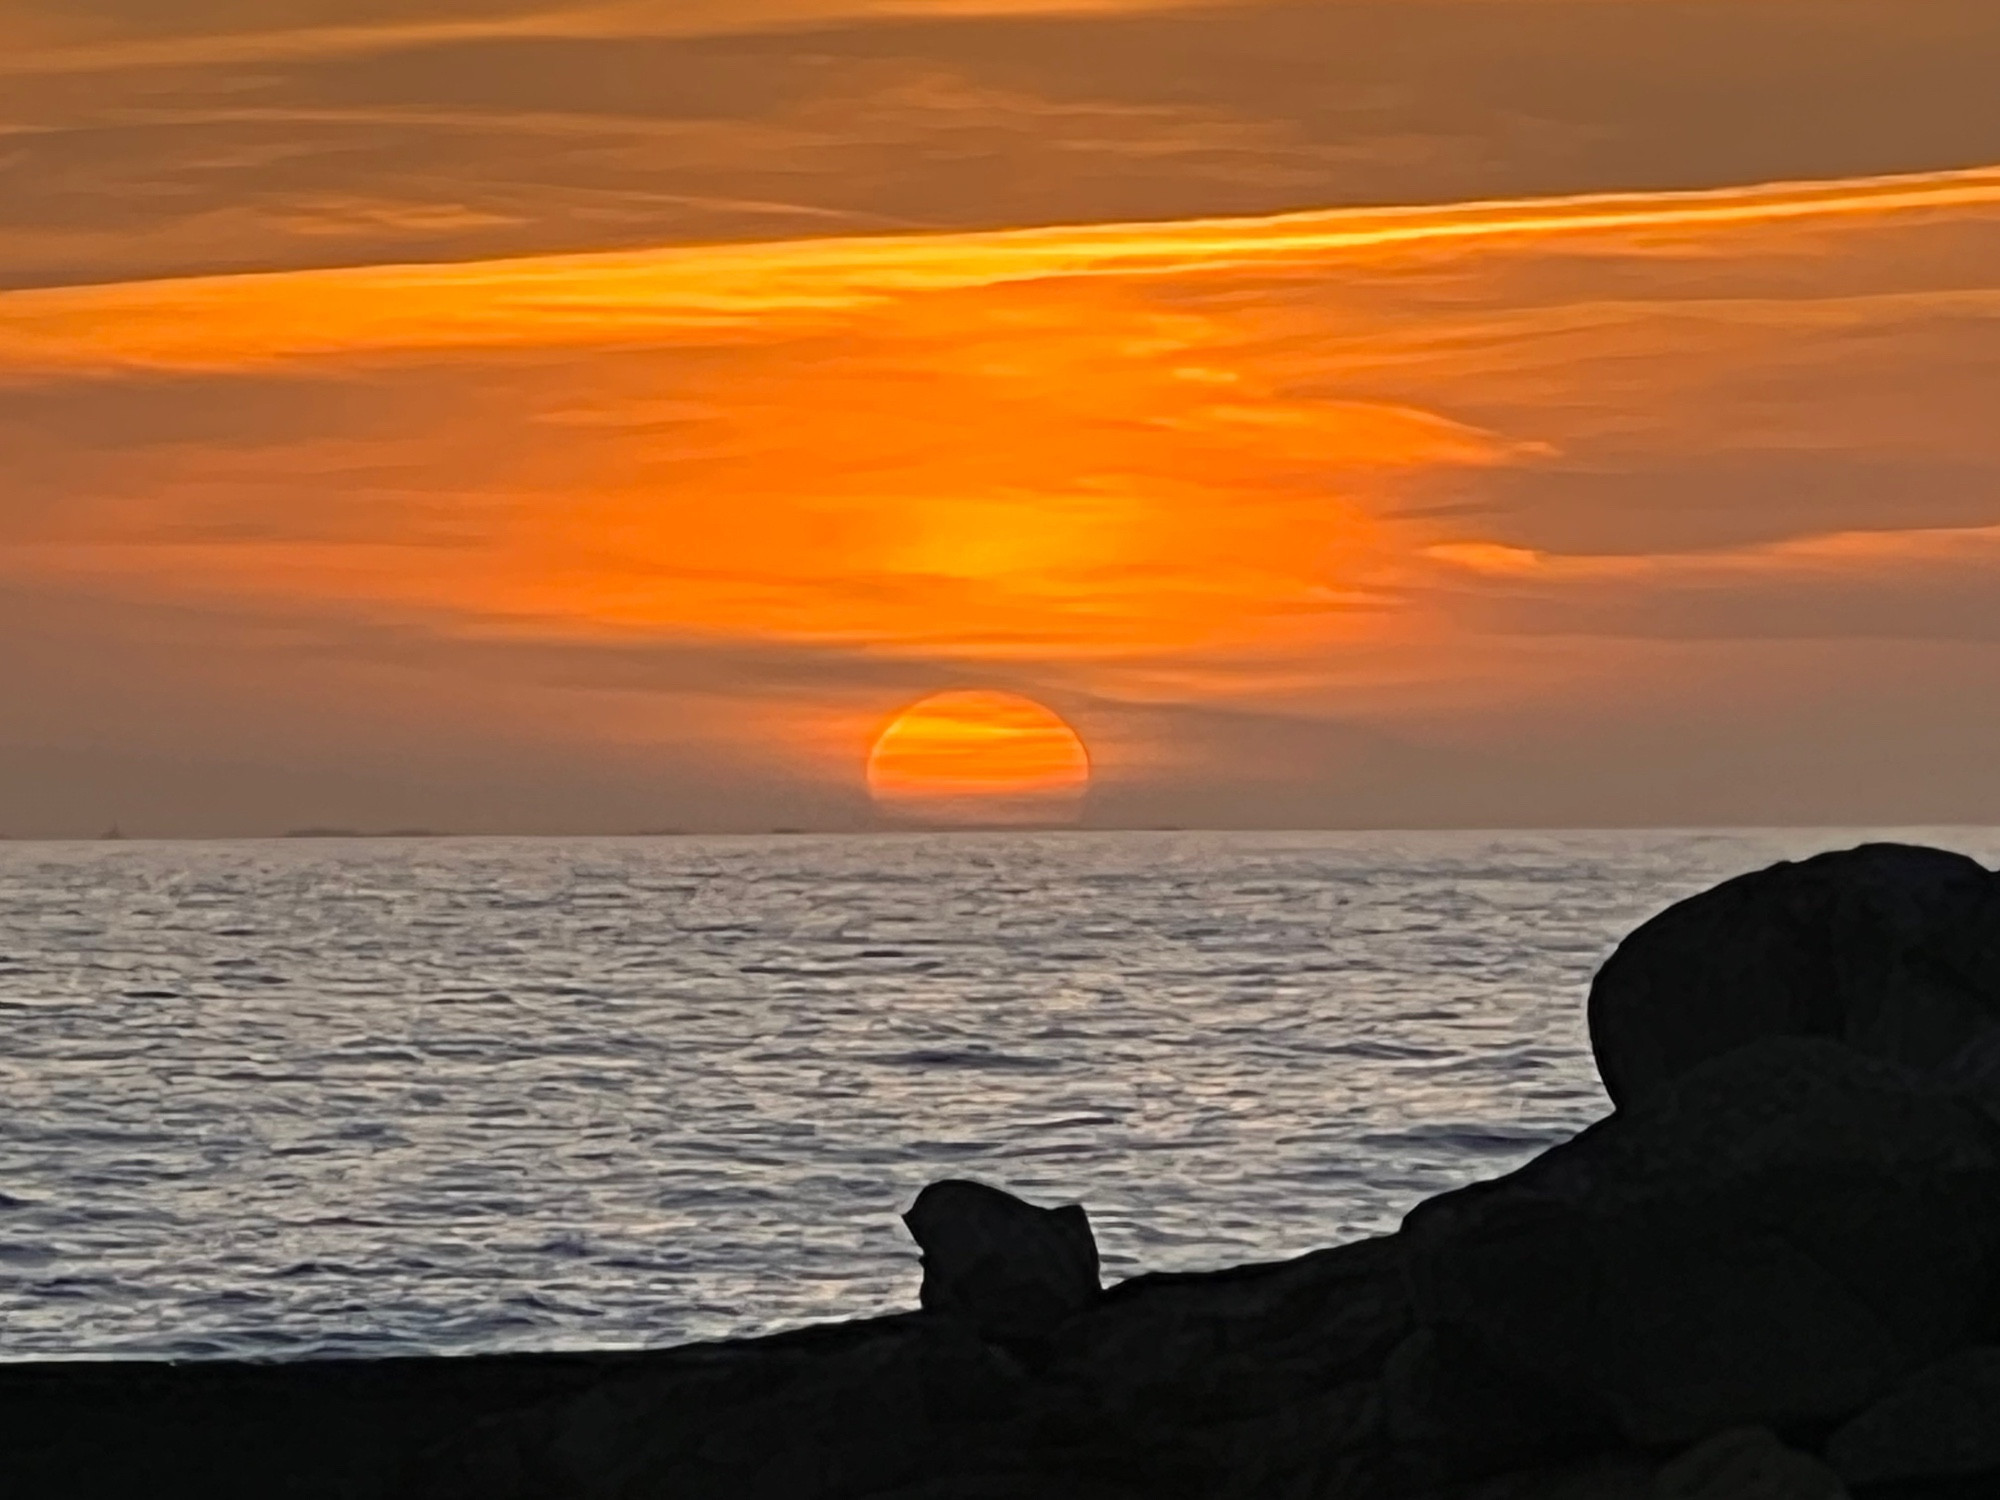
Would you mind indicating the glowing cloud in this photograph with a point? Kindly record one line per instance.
(734, 291)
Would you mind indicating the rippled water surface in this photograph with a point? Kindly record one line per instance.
(279, 1098)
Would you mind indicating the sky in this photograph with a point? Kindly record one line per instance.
(1359, 413)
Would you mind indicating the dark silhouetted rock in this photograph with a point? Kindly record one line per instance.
(1606, 1477)
(1892, 949)
(1777, 1237)
(1222, 1344)
(1976, 1069)
(1012, 1487)
(1942, 1422)
(1260, 1380)
(1011, 1270)
(836, 1412)
(1456, 1413)
(1746, 1463)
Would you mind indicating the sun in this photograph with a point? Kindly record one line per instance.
(987, 758)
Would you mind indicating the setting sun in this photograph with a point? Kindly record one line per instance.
(979, 757)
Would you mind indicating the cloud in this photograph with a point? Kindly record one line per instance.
(1935, 584)
(643, 297)
(442, 131)
(111, 38)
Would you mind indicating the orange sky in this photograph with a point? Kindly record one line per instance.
(1621, 472)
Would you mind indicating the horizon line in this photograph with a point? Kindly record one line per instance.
(315, 835)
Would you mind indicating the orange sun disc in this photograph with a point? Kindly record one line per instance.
(979, 757)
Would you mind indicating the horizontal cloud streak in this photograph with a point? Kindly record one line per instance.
(209, 323)
(199, 47)
(1934, 584)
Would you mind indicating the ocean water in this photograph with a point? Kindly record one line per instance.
(284, 1098)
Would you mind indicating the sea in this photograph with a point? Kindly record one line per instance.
(349, 1097)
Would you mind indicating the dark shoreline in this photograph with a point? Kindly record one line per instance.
(485, 1425)
(312, 1427)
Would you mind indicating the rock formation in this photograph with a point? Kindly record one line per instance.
(1012, 1273)
(1773, 1273)
(1891, 949)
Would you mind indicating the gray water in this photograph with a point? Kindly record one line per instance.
(331, 1096)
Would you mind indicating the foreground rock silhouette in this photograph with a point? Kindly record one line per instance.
(1892, 949)
(1010, 1272)
(1773, 1273)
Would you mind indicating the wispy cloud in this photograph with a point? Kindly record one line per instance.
(636, 298)
(421, 26)
(170, 141)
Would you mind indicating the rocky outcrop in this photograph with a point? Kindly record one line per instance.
(1011, 1272)
(1773, 1273)
(1742, 1248)
(1891, 949)
(1746, 1462)
(1942, 1423)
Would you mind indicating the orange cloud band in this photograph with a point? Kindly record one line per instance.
(635, 298)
